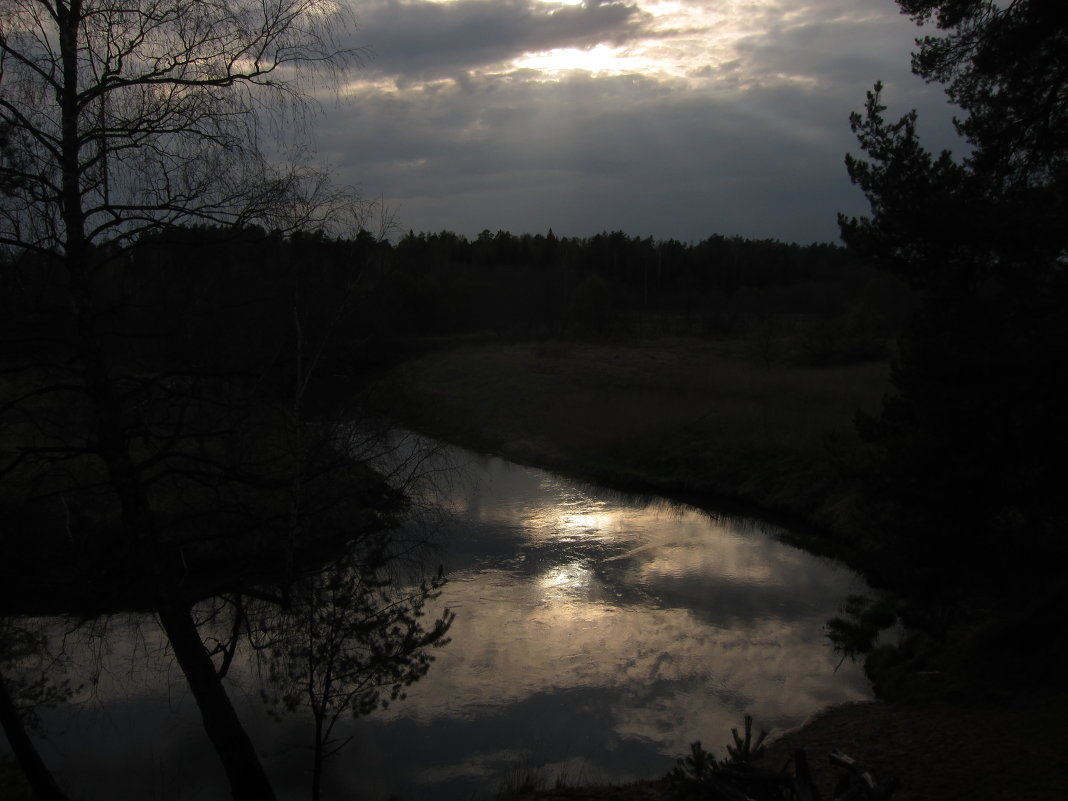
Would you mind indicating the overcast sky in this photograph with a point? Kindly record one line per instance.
(675, 119)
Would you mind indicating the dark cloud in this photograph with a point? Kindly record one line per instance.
(752, 143)
(584, 155)
(426, 40)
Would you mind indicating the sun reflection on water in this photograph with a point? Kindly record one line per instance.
(597, 626)
(683, 617)
(568, 583)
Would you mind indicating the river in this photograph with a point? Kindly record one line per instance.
(596, 636)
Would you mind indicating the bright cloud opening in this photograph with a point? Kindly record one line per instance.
(599, 60)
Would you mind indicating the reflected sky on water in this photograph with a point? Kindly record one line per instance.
(596, 635)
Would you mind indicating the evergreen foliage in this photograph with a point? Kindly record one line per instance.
(228, 295)
(745, 749)
(965, 456)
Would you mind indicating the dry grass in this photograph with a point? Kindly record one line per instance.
(985, 750)
(683, 417)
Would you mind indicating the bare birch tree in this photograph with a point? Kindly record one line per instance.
(119, 118)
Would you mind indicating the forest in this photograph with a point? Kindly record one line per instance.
(373, 297)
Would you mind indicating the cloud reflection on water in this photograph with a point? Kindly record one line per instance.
(673, 621)
(595, 633)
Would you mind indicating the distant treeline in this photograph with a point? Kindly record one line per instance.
(615, 284)
(198, 291)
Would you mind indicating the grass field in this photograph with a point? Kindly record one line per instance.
(701, 420)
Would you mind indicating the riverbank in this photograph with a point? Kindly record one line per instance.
(992, 749)
(699, 420)
(704, 421)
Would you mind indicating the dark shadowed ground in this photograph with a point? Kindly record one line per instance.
(993, 750)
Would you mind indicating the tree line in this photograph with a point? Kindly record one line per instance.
(617, 284)
(190, 286)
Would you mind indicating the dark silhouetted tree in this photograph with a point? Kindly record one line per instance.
(966, 453)
(123, 119)
(350, 641)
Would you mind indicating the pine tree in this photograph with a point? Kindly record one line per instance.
(965, 454)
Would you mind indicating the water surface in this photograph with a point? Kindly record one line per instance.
(596, 636)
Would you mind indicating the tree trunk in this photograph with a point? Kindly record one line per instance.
(248, 780)
(41, 781)
(111, 444)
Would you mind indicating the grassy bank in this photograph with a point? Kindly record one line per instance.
(701, 420)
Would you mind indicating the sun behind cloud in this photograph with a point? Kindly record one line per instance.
(672, 117)
(601, 59)
(680, 40)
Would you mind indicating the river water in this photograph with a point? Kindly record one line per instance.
(596, 636)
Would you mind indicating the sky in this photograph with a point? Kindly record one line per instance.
(675, 119)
